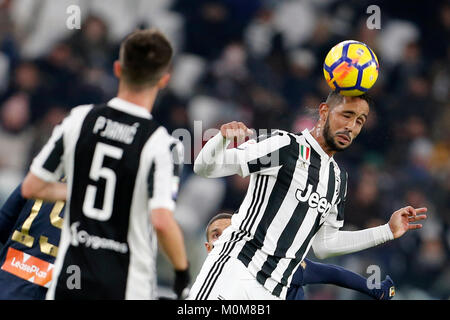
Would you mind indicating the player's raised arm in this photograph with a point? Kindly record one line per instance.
(253, 156)
(214, 160)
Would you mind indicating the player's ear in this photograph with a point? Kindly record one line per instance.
(324, 109)
(164, 81)
(117, 68)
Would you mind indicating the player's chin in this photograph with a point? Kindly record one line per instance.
(341, 144)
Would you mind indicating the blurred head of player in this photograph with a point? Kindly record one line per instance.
(215, 227)
(144, 61)
(341, 120)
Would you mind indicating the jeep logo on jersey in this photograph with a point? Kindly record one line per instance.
(314, 200)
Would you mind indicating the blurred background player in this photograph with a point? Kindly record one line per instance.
(121, 166)
(30, 232)
(310, 272)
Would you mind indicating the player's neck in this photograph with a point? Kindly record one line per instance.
(143, 98)
(317, 134)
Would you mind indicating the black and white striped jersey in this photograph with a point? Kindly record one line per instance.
(120, 164)
(295, 188)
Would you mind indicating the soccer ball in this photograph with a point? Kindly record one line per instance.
(351, 68)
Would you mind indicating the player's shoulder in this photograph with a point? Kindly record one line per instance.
(280, 132)
(79, 112)
(82, 108)
(274, 136)
(161, 135)
(162, 140)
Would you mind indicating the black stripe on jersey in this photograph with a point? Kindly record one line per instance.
(218, 265)
(331, 183)
(219, 271)
(342, 195)
(54, 158)
(258, 198)
(261, 163)
(299, 254)
(288, 159)
(263, 137)
(290, 231)
(212, 272)
(261, 182)
(151, 180)
(266, 161)
(252, 203)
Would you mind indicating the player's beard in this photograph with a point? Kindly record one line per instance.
(329, 139)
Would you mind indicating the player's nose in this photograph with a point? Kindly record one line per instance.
(350, 126)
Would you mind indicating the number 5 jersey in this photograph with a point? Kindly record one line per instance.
(120, 164)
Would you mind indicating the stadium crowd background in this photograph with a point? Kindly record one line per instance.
(259, 62)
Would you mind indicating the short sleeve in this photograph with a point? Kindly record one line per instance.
(177, 153)
(47, 165)
(164, 176)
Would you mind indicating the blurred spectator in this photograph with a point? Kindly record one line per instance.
(208, 28)
(26, 89)
(363, 207)
(91, 44)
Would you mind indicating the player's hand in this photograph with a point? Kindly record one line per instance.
(387, 289)
(403, 220)
(236, 130)
(181, 283)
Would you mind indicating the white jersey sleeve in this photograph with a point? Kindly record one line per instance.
(48, 164)
(330, 241)
(254, 156)
(164, 173)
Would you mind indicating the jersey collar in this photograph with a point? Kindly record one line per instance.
(130, 108)
(313, 142)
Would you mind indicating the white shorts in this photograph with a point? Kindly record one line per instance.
(227, 278)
